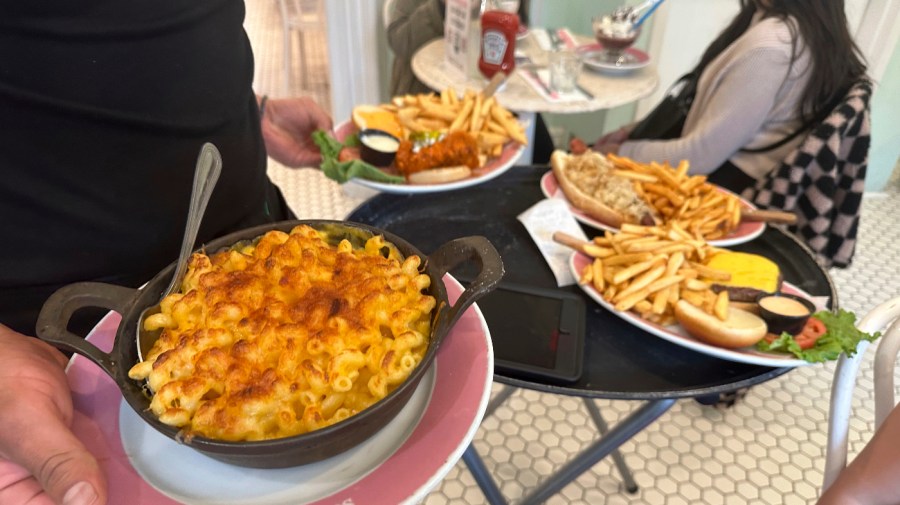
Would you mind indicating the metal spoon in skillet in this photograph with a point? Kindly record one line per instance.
(209, 166)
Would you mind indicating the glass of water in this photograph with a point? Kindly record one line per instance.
(565, 67)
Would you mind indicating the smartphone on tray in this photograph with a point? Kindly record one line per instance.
(537, 333)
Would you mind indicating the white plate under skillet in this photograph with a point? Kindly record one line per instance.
(401, 463)
(677, 335)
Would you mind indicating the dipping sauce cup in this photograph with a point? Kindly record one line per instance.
(784, 312)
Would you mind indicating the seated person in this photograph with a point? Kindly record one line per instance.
(871, 478)
(414, 23)
(777, 68)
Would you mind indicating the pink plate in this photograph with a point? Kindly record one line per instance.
(495, 167)
(595, 59)
(522, 32)
(745, 232)
(400, 464)
(677, 335)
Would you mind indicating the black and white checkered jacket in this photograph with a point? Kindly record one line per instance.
(823, 180)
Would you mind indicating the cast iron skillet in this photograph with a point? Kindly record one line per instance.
(283, 452)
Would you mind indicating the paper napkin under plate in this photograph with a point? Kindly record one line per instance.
(542, 220)
(539, 80)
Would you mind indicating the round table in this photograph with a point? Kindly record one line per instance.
(609, 90)
(621, 361)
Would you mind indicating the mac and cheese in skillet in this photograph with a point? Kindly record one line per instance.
(285, 336)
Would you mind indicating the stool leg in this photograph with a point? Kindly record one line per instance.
(624, 471)
(482, 477)
(498, 400)
(633, 424)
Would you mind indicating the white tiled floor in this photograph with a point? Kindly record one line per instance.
(767, 449)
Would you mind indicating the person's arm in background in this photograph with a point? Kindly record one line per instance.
(732, 117)
(287, 127)
(413, 23)
(871, 478)
(41, 461)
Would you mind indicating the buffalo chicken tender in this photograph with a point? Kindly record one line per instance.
(285, 336)
(455, 148)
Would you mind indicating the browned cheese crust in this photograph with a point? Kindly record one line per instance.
(286, 336)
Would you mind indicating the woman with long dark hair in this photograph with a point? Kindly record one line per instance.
(776, 69)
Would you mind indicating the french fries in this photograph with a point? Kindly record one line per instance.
(485, 119)
(648, 269)
(698, 208)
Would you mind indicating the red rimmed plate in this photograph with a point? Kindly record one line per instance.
(596, 58)
(421, 444)
(511, 153)
(677, 335)
(745, 232)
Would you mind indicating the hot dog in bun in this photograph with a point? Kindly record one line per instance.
(589, 184)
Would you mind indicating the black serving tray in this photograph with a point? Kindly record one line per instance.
(621, 361)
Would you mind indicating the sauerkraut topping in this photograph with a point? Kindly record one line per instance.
(593, 174)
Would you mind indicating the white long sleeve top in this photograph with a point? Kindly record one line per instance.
(747, 97)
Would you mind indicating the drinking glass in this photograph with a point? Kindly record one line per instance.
(565, 66)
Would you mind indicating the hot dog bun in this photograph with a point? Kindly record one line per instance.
(739, 329)
(439, 175)
(589, 185)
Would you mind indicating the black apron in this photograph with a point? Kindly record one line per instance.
(103, 109)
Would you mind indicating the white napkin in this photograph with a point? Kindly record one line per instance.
(542, 220)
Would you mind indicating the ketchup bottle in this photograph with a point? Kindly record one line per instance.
(498, 42)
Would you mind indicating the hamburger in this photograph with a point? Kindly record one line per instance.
(751, 276)
(740, 328)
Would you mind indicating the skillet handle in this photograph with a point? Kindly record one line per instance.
(476, 248)
(53, 321)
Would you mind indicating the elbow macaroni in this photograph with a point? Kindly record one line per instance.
(285, 336)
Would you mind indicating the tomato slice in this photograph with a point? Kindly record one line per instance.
(811, 332)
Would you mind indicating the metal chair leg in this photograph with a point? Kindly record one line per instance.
(603, 428)
(498, 400)
(621, 433)
(482, 477)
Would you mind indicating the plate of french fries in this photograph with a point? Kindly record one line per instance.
(641, 272)
(705, 210)
(500, 136)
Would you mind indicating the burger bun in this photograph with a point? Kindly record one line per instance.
(740, 328)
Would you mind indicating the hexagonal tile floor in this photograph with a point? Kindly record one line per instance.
(768, 448)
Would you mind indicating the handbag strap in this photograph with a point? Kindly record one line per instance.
(775, 145)
(806, 127)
